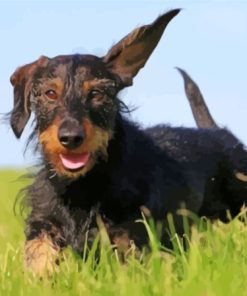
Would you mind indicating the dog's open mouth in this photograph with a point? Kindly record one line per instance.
(74, 162)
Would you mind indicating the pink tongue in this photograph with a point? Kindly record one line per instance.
(74, 161)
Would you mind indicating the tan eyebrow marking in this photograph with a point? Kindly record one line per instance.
(90, 84)
(56, 84)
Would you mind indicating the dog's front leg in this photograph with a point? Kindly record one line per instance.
(128, 238)
(41, 254)
(44, 243)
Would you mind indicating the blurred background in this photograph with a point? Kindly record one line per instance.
(208, 39)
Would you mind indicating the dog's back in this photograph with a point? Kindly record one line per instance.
(99, 168)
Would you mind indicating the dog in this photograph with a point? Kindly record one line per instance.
(98, 167)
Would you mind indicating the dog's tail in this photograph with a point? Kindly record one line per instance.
(198, 105)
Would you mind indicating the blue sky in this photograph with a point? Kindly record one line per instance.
(208, 39)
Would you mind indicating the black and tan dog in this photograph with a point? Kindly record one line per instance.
(96, 162)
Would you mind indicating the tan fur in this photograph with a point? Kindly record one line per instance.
(94, 83)
(87, 86)
(96, 140)
(122, 242)
(41, 255)
(125, 247)
(26, 72)
(56, 84)
(119, 239)
(240, 176)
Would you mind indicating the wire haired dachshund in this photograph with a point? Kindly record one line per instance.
(97, 164)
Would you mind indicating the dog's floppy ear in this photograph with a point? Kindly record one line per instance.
(130, 54)
(21, 79)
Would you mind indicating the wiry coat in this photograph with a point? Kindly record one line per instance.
(96, 163)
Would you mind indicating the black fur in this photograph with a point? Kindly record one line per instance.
(162, 169)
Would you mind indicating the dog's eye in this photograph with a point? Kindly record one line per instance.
(51, 94)
(96, 95)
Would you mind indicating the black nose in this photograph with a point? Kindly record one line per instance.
(70, 134)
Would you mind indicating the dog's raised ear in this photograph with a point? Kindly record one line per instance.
(130, 54)
(21, 79)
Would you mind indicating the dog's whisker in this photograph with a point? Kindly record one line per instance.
(53, 176)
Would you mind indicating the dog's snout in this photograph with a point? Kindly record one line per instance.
(70, 134)
(71, 140)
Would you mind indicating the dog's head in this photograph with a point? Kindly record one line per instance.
(74, 98)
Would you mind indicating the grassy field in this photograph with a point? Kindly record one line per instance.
(214, 264)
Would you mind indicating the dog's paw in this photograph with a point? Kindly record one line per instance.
(41, 256)
(124, 246)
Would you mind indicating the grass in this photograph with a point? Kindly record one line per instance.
(214, 264)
